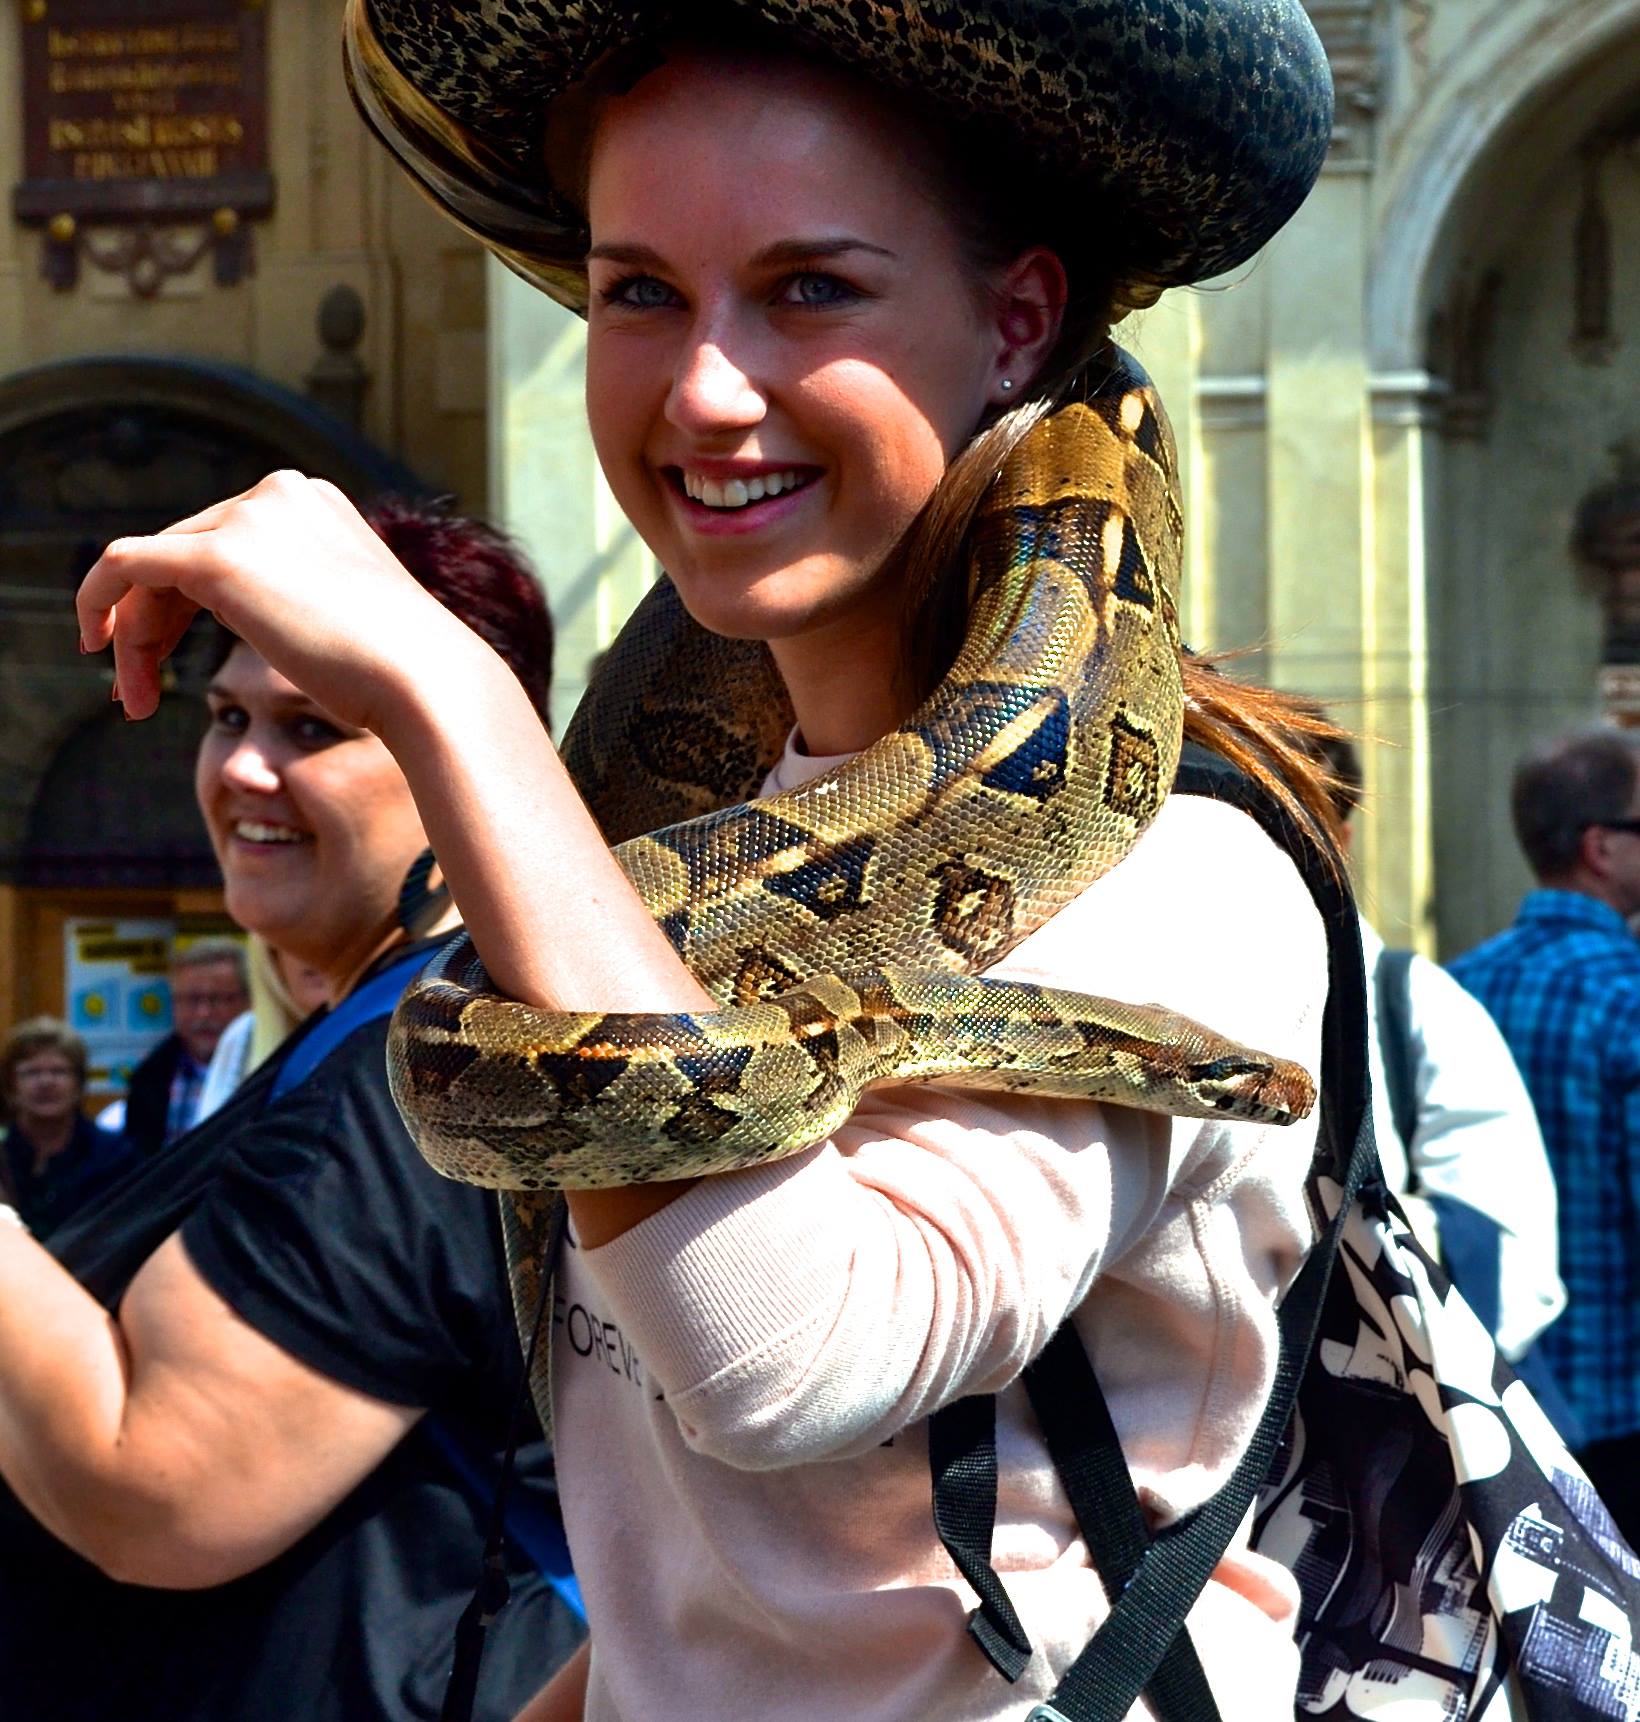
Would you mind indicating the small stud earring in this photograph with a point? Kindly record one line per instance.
(1007, 384)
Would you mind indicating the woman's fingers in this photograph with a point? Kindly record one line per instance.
(137, 597)
(147, 627)
(129, 565)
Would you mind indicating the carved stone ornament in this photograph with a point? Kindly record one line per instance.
(144, 137)
(1606, 544)
(1593, 337)
(1348, 30)
(339, 376)
(1462, 333)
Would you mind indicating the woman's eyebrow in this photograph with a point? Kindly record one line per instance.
(809, 250)
(616, 251)
(281, 705)
(782, 251)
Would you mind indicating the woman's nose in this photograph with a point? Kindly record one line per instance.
(246, 766)
(711, 392)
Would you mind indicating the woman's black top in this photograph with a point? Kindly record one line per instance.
(315, 1218)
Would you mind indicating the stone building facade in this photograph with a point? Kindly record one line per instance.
(353, 345)
(1402, 431)
(1393, 422)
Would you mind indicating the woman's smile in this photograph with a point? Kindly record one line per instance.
(722, 498)
(257, 837)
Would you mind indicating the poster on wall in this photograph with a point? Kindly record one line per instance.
(118, 994)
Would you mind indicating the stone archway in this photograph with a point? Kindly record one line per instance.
(1471, 277)
(1513, 59)
(91, 450)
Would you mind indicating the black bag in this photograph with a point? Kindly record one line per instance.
(1454, 1563)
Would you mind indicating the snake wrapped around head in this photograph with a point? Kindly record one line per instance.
(844, 925)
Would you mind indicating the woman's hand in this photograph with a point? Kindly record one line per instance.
(290, 567)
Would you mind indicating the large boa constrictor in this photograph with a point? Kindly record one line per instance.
(842, 924)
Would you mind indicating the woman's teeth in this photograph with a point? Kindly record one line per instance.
(254, 831)
(737, 492)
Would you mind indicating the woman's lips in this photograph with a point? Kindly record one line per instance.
(750, 516)
(267, 837)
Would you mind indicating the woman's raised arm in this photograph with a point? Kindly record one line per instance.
(293, 570)
(172, 1445)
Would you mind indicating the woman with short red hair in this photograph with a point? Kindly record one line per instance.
(251, 1406)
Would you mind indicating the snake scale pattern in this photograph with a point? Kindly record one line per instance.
(844, 925)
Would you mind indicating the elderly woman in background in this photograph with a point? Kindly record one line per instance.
(249, 1417)
(55, 1157)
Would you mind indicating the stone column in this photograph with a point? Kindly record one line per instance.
(1232, 517)
(545, 485)
(1317, 453)
(1166, 340)
(1321, 516)
(1395, 662)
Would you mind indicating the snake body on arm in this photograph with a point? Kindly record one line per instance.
(843, 924)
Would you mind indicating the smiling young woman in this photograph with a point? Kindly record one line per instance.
(835, 282)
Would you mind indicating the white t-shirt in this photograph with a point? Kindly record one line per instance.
(1477, 1137)
(228, 1066)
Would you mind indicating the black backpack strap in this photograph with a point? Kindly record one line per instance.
(1147, 1619)
(962, 1457)
(1143, 1648)
(1083, 1444)
(1392, 994)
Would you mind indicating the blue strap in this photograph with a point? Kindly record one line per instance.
(532, 1529)
(375, 999)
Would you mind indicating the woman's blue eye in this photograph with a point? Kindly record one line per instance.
(229, 718)
(817, 291)
(640, 293)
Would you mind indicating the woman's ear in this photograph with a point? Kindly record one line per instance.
(1029, 312)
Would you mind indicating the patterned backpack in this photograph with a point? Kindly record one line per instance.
(1454, 1563)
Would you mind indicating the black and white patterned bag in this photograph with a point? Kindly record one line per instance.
(1454, 1563)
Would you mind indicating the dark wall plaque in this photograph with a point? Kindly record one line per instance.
(144, 112)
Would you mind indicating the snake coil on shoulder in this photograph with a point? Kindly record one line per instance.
(845, 925)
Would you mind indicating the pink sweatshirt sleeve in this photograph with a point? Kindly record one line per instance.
(814, 1308)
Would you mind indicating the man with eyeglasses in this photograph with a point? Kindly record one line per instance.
(1563, 984)
(208, 990)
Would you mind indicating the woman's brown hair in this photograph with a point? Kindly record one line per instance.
(40, 1034)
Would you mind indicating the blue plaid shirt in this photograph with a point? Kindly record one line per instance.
(1563, 984)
